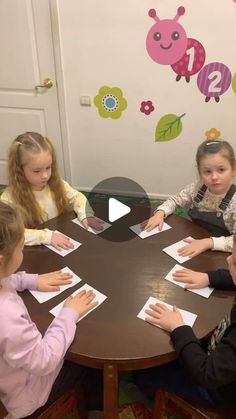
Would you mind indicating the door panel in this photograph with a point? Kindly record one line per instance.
(26, 60)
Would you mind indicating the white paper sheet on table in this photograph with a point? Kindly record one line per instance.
(172, 250)
(204, 292)
(188, 318)
(143, 234)
(105, 226)
(42, 296)
(99, 297)
(64, 252)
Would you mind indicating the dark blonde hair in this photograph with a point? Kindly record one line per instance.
(20, 189)
(214, 147)
(11, 229)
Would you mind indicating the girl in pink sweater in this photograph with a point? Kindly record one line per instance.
(30, 362)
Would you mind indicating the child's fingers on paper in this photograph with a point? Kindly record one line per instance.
(158, 307)
(182, 272)
(56, 246)
(60, 281)
(144, 224)
(80, 294)
(152, 313)
(185, 251)
(65, 275)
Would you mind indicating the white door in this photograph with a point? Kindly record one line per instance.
(26, 60)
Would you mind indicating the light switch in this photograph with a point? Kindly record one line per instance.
(85, 100)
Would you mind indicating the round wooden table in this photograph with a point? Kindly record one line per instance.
(112, 337)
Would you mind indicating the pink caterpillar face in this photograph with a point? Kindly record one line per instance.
(166, 41)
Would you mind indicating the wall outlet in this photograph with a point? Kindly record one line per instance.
(85, 100)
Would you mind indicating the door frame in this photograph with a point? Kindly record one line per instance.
(60, 82)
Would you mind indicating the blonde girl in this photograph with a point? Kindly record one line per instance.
(30, 362)
(211, 201)
(36, 187)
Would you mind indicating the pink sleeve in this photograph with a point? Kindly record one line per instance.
(23, 346)
(22, 281)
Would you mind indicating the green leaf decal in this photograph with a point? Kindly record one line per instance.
(234, 83)
(168, 127)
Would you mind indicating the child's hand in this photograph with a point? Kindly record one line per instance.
(195, 247)
(81, 302)
(61, 241)
(52, 281)
(93, 222)
(156, 220)
(160, 315)
(192, 279)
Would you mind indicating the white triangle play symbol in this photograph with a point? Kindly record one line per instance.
(116, 209)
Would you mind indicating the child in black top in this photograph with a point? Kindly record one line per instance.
(198, 375)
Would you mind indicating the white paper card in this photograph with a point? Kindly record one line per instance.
(173, 250)
(42, 296)
(99, 297)
(204, 292)
(143, 234)
(64, 252)
(105, 226)
(188, 318)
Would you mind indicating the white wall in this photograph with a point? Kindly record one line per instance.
(103, 43)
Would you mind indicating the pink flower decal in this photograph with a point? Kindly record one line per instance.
(147, 107)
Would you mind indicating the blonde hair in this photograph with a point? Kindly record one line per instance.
(11, 229)
(19, 187)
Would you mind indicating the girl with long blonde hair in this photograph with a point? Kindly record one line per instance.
(36, 187)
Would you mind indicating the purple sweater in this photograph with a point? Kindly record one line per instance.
(29, 362)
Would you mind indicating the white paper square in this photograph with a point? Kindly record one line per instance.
(172, 250)
(99, 297)
(188, 318)
(104, 226)
(42, 296)
(204, 292)
(143, 234)
(64, 252)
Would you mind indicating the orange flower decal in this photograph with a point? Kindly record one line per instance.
(212, 134)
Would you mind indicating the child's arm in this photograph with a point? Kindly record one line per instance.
(46, 282)
(26, 348)
(46, 236)
(35, 236)
(23, 345)
(82, 208)
(79, 201)
(194, 247)
(182, 200)
(210, 371)
(224, 244)
(220, 279)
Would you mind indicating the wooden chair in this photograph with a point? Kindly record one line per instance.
(168, 404)
(66, 405)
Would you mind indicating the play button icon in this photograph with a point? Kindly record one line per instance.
(122, 202)
(116, 209)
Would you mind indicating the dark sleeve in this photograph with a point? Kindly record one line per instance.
(221, 279)
(209, 371)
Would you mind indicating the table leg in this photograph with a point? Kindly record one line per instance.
(110, 381)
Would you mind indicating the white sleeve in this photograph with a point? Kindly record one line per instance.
(183, 200)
